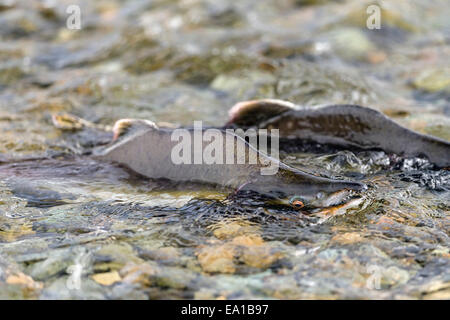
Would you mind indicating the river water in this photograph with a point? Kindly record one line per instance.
(74, 228)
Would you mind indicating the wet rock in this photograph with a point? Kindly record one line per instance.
(24, 281)
(351, 44)
(260, 257)
(310, 2)
(433, 81)
(24, 247)
(230, 228)
(11, 73)
(20, 23)
(59, 57)
(393, 276)
(150, 274)
(123, 291)
(402, 252)
(217, 259)
(347, 238)
(437, 291)
(433, 180)
(14, 284)
(38, 195)
(11, 232)
(244, 85)
(205, 294)
(58, 289)
(202, 70)
(308, 84)
(55, 264)
(106, 278)
(138, 273)
(215, 14)
(6, 5)
(174, 278)
(161, 254)
(114, 257)
(250, 250)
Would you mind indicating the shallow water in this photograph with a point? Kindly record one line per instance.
(71, 227)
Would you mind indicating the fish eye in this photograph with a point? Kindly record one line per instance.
(297, 202)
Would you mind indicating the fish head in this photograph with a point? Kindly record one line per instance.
(323, 200)
(309, 203)
(308, 193)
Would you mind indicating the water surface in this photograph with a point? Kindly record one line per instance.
(71, 227)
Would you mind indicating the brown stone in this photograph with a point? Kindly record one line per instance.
(106, 278)
(217, 259)
(347, 238)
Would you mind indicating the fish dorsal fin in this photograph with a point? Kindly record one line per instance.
(130, 127)
(251, 113)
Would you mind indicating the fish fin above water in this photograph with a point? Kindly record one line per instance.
(128, 127)
(66, 121)
(370, 129)
(343, 125)
(125, 130)
(253, 112)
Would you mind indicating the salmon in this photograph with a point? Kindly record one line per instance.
(343, 125)
(148, 150)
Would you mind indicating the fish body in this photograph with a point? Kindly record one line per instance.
(149, 151)
(347, 126)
